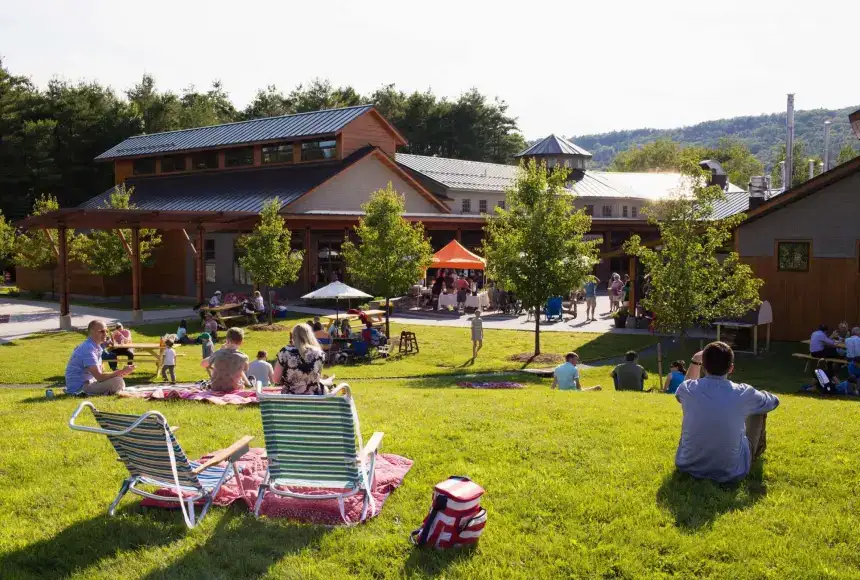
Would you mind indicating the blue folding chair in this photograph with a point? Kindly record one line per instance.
(552, 309)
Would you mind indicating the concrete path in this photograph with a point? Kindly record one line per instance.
(30, 316)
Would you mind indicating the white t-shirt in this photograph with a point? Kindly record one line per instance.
(169, 357)
(259, 306)
(261, 370)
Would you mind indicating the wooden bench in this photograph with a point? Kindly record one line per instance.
(809, 358)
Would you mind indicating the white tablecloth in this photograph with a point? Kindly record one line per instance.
(482, 300)
(447, 300)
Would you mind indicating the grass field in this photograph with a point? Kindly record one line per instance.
(443, 350)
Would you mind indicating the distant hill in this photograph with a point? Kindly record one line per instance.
(763, 134)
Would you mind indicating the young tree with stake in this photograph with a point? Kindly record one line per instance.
(392, 253)
(535, 247)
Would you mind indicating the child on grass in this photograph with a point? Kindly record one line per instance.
(477, 334)
(168, 362)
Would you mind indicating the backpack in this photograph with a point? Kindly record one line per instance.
(456, 518)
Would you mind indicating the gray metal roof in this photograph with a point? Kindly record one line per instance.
(737, 202)
(459, 174)
(554, 145)
(240, 190)
(271, 128)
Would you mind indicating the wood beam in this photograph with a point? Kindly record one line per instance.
(307, 246)
(135, 269)
(63, 267)
(53, 244)
(200, 267)
(190, 243)
(128, 250)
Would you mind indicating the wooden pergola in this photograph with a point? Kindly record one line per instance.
(197, 222)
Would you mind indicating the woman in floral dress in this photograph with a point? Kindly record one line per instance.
(299, 367)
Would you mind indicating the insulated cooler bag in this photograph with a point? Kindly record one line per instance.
(456, 517)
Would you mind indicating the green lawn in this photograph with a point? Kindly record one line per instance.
(578, 485)
(443, 350)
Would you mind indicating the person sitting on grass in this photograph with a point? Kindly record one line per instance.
(675, 377)
(629, 375)
(723, 426)
(565, 377)
(182, 333)
(299, 367)
(211, 327)
(84, 370)
(261, 369)
(228, 365)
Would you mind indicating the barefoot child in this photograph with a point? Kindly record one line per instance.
(477, 334)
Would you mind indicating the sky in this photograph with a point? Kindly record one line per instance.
(567, 67)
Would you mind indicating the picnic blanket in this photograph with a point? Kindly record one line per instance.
(390, 471)
(491, 385)
(194, 393)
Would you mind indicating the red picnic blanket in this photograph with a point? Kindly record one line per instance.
(390, 470)
(193, 393)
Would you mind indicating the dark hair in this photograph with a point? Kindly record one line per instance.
(168, 343)
(822, 364)
(680, 366)
(630, 355)
(718, 358)
(317, 326)
(823, 328)
(261, 354)
(570, 355)
(183, 324)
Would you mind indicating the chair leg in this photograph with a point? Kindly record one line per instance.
(192, 519)
(261, 491)
(122, 491)
(209, 499)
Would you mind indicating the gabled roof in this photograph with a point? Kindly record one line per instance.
(326, 122)
(738, 202)
(246, 190)
(459, 174)
(554, 145)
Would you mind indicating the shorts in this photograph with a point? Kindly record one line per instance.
(591, 301)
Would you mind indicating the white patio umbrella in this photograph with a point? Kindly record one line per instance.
(336, 290)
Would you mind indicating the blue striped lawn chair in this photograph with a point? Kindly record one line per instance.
(146, 445)
(314, 441)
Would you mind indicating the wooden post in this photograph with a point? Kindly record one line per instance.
(63, 267)
(308, 274)
(767, 343)
(631, 297)
(200, 267)
(136, 313)
(755, 340)
(459, 235)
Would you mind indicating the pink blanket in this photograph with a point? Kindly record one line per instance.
(390, 471)
(496, 385)
(192, 393)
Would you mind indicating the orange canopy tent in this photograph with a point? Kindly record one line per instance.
(456, 256)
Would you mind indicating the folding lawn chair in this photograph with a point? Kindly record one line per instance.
(146, 445)
(314, 441)
(553, 309)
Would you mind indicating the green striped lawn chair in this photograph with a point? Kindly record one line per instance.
(314, 441)
(146, 445)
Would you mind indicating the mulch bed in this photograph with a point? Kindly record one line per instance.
(529, 357)
(270, 327)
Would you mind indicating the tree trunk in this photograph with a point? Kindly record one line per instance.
(537, 332)
(387, 316)
(270, 294)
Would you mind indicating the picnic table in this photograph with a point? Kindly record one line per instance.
(809, 358)
(376, 317)
(219, 313)
(145, 349)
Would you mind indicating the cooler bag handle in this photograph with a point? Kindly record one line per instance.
(419, 536)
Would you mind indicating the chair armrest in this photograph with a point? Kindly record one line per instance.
(233, 452)
(371, 447)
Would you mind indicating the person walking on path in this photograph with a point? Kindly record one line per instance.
(477, 334)
(591, 300)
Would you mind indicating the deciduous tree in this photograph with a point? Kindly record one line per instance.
(268, 256)
(535, 247)
(392, 254)
(36, 249)
(690, 283)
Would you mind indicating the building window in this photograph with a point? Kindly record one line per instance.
(204, 160)
(281, 153)
(792, 256)
(501, 204)
(482, 206)
(589, 210)
(209, 259)
(240, 276)
(242, 156)
(319, 150)
(171, 164)
(143, 166)
(624, 211)
(330, 264)
(607, 211)
(467, 206)
(634, 212)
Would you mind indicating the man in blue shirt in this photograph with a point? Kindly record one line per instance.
(591, 299)
(84, 369)
(723, 429)
(566, 376)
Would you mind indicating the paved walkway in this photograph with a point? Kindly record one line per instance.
(30, 316)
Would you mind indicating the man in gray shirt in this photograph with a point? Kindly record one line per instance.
(723, 429)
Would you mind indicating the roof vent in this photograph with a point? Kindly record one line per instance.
(718, 174)
(758, 187)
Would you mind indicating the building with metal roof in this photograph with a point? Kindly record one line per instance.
(554, 145)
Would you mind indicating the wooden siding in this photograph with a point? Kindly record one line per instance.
(827, 294)
(367, 130)
(122, 170)
(352, 187)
